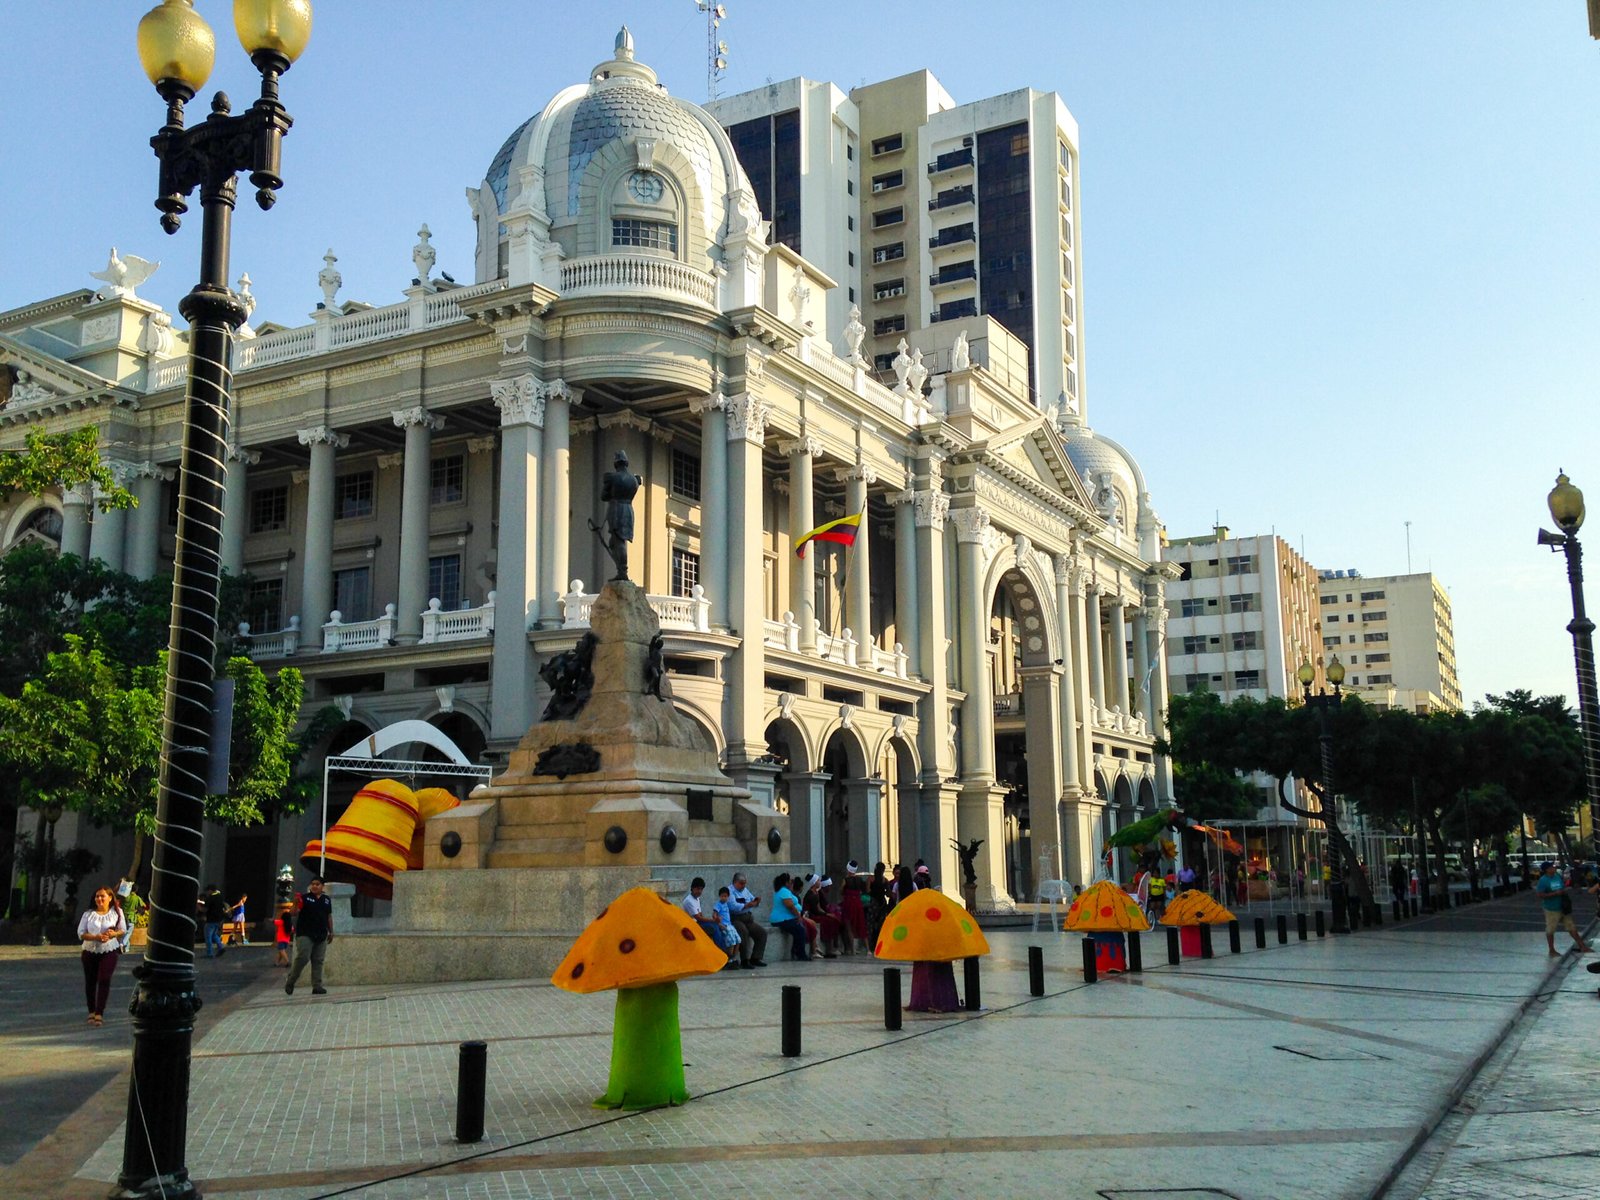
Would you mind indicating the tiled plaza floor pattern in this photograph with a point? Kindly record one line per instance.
(1304, 1070)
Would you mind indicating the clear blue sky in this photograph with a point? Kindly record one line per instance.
(1339, 257)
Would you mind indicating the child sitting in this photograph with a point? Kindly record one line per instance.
(725, 930)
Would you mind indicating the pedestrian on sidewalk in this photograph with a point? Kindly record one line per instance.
(1399, 880)
(1557, 909)
(313, 927)
(283, 927)
(239, 920)
(100, 929)
(752, 937)
(215, 910)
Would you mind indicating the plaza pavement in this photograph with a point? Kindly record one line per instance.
(1308, 1070)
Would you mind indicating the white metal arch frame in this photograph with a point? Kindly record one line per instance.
(365, 758)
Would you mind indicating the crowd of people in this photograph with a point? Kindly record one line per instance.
(817, 919)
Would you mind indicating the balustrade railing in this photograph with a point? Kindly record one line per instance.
(691, 613)
(282, 643)
(457, 625)
(632, 273)
(339, 634)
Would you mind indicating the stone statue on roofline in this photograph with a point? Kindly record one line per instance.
(902, 368)
(423, 256)
(854, 332)
(329, 280)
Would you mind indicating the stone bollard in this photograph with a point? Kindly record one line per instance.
(969, 970)
(1035, 971)
(1135, 955)
(1261, 933)
(1174, 951)
(1300, 926)
(472, 1072)
(1205, 941)
(1091, 972)
(892, 1016)
(1322, 924)
(1233, 936)
(791, 1021)
(1283, 929)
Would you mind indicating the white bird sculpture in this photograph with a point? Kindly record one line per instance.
(123, 275)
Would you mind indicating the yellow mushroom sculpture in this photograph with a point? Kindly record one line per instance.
(930, 931)
(1195, 908)
(641, 945)
(1105, 908)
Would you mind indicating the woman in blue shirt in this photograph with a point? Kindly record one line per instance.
(786, 917)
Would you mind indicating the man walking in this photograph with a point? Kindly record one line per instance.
(313, 929)
(1557, 909)
(216, 912)
(752, 937)
(1399, 883)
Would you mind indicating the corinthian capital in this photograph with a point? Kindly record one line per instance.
(931, 509)
(407, 417)
(519, 400)
(747, 418)
(322, 435)
(971, 523)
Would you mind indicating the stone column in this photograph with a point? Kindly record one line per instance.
(1140, 695)
(415, 489)
(1094, 636)
(75, 504)
(858, 584)
(1156, 614)
(316, 582)
(714, 503)
(808, 815)
(1041, 697)
(555, 565)
(144, 526)
(1067, 683)
(865, 798)
(747, 425)
(1118, 665)
(108, 532)
(907, 604)
(802, 519)
(977, 711)
(929, 655)
(236, 508)
(513, 679)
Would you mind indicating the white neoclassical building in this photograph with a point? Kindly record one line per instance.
(410, 490)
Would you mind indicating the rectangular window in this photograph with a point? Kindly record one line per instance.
(353, 495)
(1192, 607)
(263, 606)
(850, 257)
(849, 187)
(685, 572)
(1373, 595)
(1332, 618)
(1064, 156)
(883, 362)
(885, 254)
(1244, 680)
(888, 289)
(648, 235)
(1248, 639)
(1241, 564)
(889, 216)
(1380, 678)
(1196, 683)
(1377, 658)
(769, 150)
(447, 480)
(685, 474)
(1370, 638)
(1380, 615)
(893, 179)
(352, 594)
(884, 326)
(1334, 599)
(1243, 602)
(1335, 640)
(269, 510)
(849, 222)
(888, 145)
(849, 152)
(1194, 643)
(444, 580)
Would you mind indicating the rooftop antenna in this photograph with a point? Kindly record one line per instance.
(1408, 547)
(716, 50)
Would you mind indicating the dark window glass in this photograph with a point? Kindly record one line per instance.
(685, 474)
(685, 572)
(444, 580)
(263, 606)
(447, 480)
(352, 594)
(269, 509)
(353, 495)
(1003, 231)
(650, 235)
(768, 148)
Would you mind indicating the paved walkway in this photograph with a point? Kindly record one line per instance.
(1311, 1069)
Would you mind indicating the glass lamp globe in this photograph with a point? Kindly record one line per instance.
(1566, 504)
(280, 27)
(1307, 674)
(176, 44)
(1335, 671)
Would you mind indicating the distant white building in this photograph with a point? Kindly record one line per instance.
(1395, 635)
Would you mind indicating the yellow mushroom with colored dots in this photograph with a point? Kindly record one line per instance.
(1194, 907)
(930, 931)
(641, 945)
(1105, 908)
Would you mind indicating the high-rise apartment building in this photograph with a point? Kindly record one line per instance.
(931, 214)
(1396, 637)
(1242, 615)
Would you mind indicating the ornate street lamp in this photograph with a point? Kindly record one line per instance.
(176, 48)
(1566, 510)
(1324, 704)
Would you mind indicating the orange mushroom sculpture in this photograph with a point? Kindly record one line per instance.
(1105, 908)
(641, 944)
(930, 931)
(1195, 907)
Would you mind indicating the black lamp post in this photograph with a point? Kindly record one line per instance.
(176, 48)
(1566, 509)
(1324, 704)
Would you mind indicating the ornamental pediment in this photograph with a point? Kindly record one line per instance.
(1032, 457)
(35, 385)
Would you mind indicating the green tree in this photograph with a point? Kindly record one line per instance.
(64, 460)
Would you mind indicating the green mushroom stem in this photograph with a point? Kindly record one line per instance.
(646, 1050)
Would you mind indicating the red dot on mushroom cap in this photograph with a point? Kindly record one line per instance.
(626, 946)
(1106, 911)
(688, 934)
(577, 970)
(933, 914)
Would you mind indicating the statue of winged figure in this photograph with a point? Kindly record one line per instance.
(122, 275)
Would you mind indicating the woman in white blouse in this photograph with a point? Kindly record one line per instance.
(101, 930)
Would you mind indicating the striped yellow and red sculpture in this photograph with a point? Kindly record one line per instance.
(373, 838)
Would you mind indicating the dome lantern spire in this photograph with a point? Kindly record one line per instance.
(623, 64)
(624, 45)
